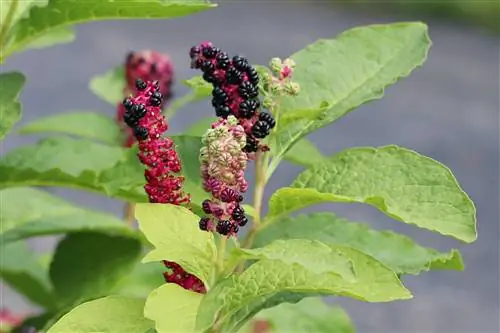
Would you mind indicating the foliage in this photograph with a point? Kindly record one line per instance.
(95, 279)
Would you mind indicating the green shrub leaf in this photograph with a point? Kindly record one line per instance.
(22, 272)
(338, 75)
(173, 308)
(268, 282)
(308, 315)
(28, 212)
(398, 252)
(176, 236)
(65, 12)
(97, 126)
(11, 85)
(141, 280)
(60, 35)
(399, 182)
(108, 314)
(200, 88)
(89, 265)
(109, 86)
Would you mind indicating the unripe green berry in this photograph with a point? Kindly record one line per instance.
(275, 65)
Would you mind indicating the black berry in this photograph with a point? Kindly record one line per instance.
(194, 51)
(140, 84)
(268, 118)
(247, 90)
(241, 63)
(127, 103)
(224, 227)
(251, 146)
(239, 198)
(248, 108)
(209, 52)
(207, 67)
(243, 221)
(223, 111)
(234, 76)
(238, 213)
(205, 205)
(156, 99)
(253, 76)
(222, 60)
(138, 110)
(141, 133)
(260, 129)
(208, 77)
(235, 228)
(130, 119)
(204, 223)
(219, 95)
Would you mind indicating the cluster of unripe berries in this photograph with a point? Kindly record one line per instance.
(279, 81)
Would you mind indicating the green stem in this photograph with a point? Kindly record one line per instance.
(221, 254)
(7, 23)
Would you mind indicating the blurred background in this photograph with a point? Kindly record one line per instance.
(448, 110)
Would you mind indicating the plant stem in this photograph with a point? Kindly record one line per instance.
(221, 254)
(129, 213)
(7, 22)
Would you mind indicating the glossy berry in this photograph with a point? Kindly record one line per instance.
(222, 111)
(204, 223)
(219, 95)
(234, 76)
(253, 76)
(127, 103)
(239, 198)
(238, 213)
(205, 205)
(140, 84)
(138, 110)
(224, 227)
(251, 146)
(209, 52)
(260, 129)
(130, 119)
(243, 221)
(194, 51)
(207, 67)
(240, 63)
(268, 118)
(222, 60)
(156, 99)
(208, 77)
(141, 133)
(248, 108)
(235, 228)
(247, 90)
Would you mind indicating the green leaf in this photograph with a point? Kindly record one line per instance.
(312, 255)
(199, 128)
(398, 252)
(201, 88)
(89, 265)
(173, 308)
(60, 35)
(97, 126)
(11, 85)
(308, 315)
(65, 12)
(108, 314)
(143, 279)
(44, 214)
(176, 236)
(22, 272)
(109, 86)
(338, 75)
(113, 171)
(399, 182)
(268, 283)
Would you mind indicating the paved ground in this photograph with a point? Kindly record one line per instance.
(447, 110)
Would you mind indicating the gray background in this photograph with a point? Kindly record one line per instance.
(447, 110)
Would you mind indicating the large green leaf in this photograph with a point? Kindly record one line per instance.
(28, 212)
(308, 315)
(109, 86)
(23, 273)
(89, 265)
(85, 124)
(11, 85)
(398, 252)
(59, 35)
(173, 309)
(65, 12)
(268, 283)
(176, 236)
(338, 75)
(75, 163)
(105, 315)
(403, 184)
(199, 87)
(141, 280)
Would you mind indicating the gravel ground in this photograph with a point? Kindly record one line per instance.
(447, 110)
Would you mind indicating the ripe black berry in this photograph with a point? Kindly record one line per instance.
(205, 205)
(247, 108)
(235, 228)
(268, 118)
(247, 90)
(222, 111)
(238, 213)
(251, 146)
(224, 227)
(209, 52)
(141, 133)
(204, 223)
(140, 84)
(253, 76)
(208, 77)
(241, 63)
(219, 95)
(138, 110)
(260, 129)
(130, 119)
(194, 51)
(156, 99)
(127, 103)
(239, 198)
(207, 67)
(222, 60)
(243, 221)
(234, 76)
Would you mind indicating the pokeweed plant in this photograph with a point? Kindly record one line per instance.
(189, 192)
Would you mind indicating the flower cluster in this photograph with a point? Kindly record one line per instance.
(8, 321)
(235, 91)
(223, 164)
(157, 153)
(148, 66)
(279, 82)
(176, 274)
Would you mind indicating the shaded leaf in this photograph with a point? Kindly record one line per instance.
(108, 314)
(21, 271)
(144, 278)
(11, 85)
(86, 124)
(200, 88)
(175, 234)
(89, 265)
(173, 308)
(338, 75)
(45, 214)
(398, 252)
(109, 86)
(60, 35)
(399, 182)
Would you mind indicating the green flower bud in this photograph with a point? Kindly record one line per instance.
(292, 88)
(275, 65)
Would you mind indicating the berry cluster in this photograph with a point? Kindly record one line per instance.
(223, 165)
(148, 66)
(235, 91)
(176, 274)
(279, 81)
(157, 153)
